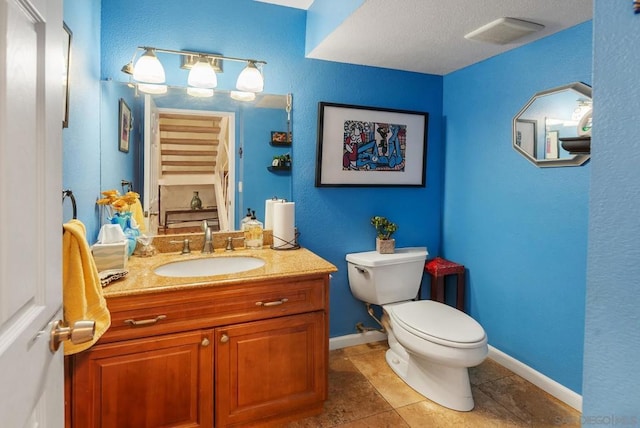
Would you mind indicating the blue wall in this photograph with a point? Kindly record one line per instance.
(527, 275)
(332, 222)
(612, 340)
(520, 230)
(81, 140)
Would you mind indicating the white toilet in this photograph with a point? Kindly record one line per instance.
(431, 345)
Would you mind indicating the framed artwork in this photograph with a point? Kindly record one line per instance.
(526, 136)
(369, 146)
(280, 138)
(124, 126)
(66, 55)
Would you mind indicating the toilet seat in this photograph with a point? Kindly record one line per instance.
(437, 322)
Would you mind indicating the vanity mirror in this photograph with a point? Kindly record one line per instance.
(186, 134)
(562, 113)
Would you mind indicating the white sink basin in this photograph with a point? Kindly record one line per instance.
(209, 266)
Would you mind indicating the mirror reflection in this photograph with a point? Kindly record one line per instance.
(195, 158)
(551, 116)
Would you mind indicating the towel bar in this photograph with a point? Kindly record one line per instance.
(69, 193)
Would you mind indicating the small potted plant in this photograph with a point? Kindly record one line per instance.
(282, 161)
(385, 244)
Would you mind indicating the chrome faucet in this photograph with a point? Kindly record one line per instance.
(207, 247)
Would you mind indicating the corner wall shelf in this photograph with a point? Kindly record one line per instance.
(577, 145)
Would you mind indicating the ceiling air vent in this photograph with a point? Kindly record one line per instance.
(503, 31)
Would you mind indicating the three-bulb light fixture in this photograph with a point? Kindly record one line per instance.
(149, 74)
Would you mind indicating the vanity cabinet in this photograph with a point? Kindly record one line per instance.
(248, 354)
(265, 368)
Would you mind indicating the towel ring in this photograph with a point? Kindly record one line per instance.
(69, 193)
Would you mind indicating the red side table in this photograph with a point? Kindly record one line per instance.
(438, 268)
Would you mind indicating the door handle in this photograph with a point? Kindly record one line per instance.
(82, 331)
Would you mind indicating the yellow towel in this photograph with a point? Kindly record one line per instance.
(81, 289)
(138, 216)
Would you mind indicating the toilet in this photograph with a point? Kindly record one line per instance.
(431, 344)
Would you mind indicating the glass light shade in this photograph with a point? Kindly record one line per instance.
(148, 68)
(202, 75)
(250, 79)
(243, 96)
(150, 88)
(200, 92)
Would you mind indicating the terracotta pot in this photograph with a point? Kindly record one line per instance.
(385, 246)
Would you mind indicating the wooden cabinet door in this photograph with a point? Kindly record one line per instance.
(269, 368)
(165, 381)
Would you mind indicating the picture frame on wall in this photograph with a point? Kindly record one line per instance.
(526, 131)
(66, 55)
(124, 126)
(362, 146)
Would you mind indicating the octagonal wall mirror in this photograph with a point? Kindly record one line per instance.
(554, 128)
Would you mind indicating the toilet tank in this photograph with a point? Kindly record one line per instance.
(386, 278)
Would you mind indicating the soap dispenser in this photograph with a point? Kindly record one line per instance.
(253, 233)
(246, 219)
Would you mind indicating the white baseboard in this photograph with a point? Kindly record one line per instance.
(355, 339)
(543, 382)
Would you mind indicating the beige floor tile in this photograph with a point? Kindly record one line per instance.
(351, 397)
(487, 413)
(388, 419)
(530, 403)
(487, 371)
(375, 368)
(365, 348)
(365, 393)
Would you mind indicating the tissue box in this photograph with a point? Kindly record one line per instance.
(110, 256)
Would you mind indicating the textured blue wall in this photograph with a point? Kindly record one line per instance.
(520, 230)
(81, 140)
(335, 221)
(612, 340)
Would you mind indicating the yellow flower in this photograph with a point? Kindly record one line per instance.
(118, 202)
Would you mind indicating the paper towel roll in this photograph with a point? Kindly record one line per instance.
(268, 211)
(284, 220)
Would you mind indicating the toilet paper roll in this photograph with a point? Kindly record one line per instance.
(284, 220)
(268, 212)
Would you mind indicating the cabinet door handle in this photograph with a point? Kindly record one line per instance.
(224, 338)
(274, 303)
(205, 342)
(149, 321)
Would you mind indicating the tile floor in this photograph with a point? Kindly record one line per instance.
(365, 393)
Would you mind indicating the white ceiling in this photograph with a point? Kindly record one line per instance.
(427, 36)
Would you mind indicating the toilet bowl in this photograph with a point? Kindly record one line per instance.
(431, 345)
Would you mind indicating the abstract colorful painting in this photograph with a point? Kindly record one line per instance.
(369, 146)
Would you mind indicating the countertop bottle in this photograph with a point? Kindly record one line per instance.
(246, 219)
(253, 233)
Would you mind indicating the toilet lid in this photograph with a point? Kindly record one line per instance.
(429, 319)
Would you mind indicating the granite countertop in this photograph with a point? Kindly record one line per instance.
(279, 264)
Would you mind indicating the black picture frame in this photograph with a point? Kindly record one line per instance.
(526, 136)
(361, 146)
(67, 36)
(124, 126)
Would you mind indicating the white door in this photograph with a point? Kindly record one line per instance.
(150, 198)
(31, 377)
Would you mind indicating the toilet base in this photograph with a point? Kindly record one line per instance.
(447, 386)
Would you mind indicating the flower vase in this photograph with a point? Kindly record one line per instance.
(385, 246)
(123, 219)
(196, 203)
